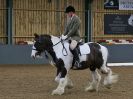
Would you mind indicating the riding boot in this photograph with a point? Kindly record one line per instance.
(76, 58)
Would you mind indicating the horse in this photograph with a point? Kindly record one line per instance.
(59, 52)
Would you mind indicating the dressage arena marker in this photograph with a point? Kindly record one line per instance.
(120, 64)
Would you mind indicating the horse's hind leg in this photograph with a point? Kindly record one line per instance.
(109, 78)
(96, 78)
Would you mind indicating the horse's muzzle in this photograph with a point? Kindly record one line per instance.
(33, 56)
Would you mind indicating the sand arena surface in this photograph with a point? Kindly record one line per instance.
(37, 82)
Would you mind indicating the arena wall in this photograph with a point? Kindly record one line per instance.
(18, 54)
(21, 54)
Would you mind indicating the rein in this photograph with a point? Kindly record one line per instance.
(61, 41)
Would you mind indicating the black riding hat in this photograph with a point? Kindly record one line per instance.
(70, 9)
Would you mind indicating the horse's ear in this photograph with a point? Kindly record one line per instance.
(36, 35)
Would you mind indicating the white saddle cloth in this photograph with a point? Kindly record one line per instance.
(84, 49)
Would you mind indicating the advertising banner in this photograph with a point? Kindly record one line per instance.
(118, 4)
(125, 4)
(118, 24)
(111, 4)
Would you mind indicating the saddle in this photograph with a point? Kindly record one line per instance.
(83, 48)
(78, 47)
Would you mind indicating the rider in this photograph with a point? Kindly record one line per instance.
(72, 32)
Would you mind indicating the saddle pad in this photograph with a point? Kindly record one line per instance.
(84, 49)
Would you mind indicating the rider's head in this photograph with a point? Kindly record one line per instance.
(70, 10)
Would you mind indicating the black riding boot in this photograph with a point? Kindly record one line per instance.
(76, 58)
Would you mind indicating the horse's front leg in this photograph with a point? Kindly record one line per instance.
(58, 75)
(61, 78)
(62, 83)
(69, 81)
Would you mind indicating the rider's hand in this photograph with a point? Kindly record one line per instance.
(64, 37)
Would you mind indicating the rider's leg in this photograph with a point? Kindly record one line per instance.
(75, 53)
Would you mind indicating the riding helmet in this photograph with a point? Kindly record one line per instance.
(70, 9)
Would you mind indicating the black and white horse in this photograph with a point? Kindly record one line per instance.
(94, 59)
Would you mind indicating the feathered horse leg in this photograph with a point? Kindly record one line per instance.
(96, 78)
(109, 78)
(61, 78)
(61, 87)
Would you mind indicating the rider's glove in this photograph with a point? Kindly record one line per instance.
(64, 37)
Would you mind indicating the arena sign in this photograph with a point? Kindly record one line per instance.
(125, 4)
(118, 4)
(118, 24)
(111, 4)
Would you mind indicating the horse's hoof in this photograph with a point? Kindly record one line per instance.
(58, 92)
(69, 86)
(90, 88)
(108, 81)
(109, 86)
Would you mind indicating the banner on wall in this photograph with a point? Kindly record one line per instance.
(125, 4)
(118, 4)
(111, 4)
(118, 24)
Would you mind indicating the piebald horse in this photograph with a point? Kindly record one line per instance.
(58, 49)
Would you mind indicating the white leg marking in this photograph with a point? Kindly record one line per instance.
(60, 89)
(96, 78)
(110, 78)
(57, 78)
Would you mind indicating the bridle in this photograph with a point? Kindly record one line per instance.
(62, 42)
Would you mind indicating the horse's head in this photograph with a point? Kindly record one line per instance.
(41, 43)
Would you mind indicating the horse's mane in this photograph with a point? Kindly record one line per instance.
(49, 40)
(46, 39)
(45, 35)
